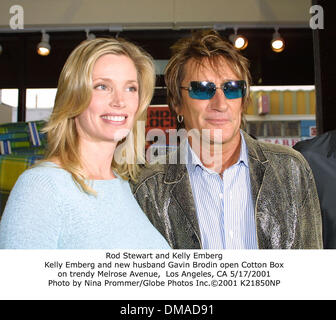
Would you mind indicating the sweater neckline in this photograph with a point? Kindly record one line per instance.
(95, 181)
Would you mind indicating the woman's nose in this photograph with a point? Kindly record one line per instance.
(117, 99)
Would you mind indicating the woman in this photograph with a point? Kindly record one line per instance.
(79, 196)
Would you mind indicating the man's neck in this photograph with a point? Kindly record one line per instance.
(219, 157)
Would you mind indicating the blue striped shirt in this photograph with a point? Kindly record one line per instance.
(224, 204)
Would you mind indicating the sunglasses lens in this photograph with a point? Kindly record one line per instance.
(202, 90)
(234, 89)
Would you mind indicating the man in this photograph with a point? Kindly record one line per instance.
(227, 190)
(320, 153)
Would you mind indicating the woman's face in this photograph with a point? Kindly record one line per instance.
(114, 102)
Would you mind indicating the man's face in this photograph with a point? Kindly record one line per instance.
(219, 115)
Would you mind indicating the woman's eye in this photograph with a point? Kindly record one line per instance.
(132, 89)
(101, 87)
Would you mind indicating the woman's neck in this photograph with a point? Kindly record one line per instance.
(96, 159)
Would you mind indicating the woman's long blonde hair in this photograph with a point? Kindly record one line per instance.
(73, 97)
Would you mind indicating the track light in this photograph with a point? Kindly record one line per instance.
(239, 41)
(43, 48)
(89, 36)
(277, 43)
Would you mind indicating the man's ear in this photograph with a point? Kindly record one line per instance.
(178, 110)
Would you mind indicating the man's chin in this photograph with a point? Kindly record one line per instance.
(216, 139)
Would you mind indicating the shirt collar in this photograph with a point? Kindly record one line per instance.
(192, 160)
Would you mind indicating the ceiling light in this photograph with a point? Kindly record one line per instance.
(239, 41)
(43, 48)
(277, 43)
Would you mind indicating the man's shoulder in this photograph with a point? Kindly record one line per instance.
(170, 167)
(148, 172)
(279, 154)
(323, 145)
(278, 149)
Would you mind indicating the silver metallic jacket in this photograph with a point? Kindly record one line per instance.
(287, 210)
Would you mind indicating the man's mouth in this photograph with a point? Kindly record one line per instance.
(218, 120)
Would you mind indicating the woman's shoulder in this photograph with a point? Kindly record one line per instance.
(45, 168)
(43, 174)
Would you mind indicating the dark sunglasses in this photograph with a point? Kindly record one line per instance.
(204, 90)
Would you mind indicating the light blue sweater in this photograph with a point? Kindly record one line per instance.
(46, 210)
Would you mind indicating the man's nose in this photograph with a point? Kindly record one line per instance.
(219, 100)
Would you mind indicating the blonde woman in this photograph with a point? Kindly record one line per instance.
(79, 196)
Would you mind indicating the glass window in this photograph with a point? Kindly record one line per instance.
(9, 97)
(8, 105)
(39, 103)
(292, 129)
(256, 128)
(269, 129)
(273, 129)
(40, 98)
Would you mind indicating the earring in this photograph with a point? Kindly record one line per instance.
(179, 118)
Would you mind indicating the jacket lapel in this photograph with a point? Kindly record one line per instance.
(177, 176)
(257, 167)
